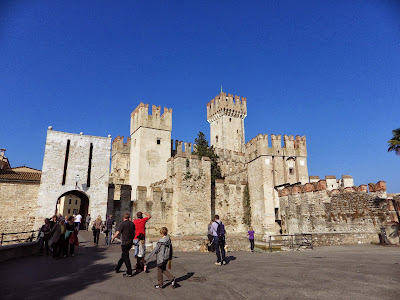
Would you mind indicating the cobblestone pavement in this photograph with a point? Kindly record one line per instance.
(336, 272)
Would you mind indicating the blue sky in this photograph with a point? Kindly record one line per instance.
(329, 70)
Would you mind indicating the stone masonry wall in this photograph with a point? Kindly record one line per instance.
(18, 206)
(229, 198)
(311, 208)
(52, 186)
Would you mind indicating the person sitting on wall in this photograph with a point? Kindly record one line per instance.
(140, 225)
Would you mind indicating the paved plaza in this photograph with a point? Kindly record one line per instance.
(336, 272)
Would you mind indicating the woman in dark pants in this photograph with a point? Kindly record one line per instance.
(70, 229)
(97, 227)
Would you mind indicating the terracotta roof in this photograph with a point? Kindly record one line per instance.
(11, 175)
(25, 169)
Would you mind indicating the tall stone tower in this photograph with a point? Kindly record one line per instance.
(226, 117)
(150, 145)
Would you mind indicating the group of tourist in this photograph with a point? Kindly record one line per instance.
(60, 235)
(134, 233)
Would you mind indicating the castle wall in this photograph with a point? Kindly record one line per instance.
(52, 186)
(119, 201)
(150, 145)
(190, 178)
(18, 207)
(229, 205)
(233, 164)
(158, 203)
(268, 167)
(120, 160)
(312, 208)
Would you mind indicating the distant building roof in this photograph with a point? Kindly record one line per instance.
(21, 174)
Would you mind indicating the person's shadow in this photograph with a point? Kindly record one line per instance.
(179, 279)
(229, 258)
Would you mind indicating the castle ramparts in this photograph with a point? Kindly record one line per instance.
(226, 105)
(258, 146)
(140, 117)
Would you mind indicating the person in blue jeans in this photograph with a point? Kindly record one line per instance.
(109, 227)
(218, 232)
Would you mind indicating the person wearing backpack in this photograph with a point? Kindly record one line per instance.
(163, 251)
(218, 232)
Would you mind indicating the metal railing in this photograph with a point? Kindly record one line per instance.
(292, 241)
(30, 237)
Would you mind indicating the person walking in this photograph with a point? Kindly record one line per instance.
(218, 232)
(140, 225)
(58, 237)
(210, 238)
(96, 232)
(87, 221)
(44, 236)
(78, 220)
(250, 233)
(70, 237)
(163, 251)
(127, 231)
(109, 228)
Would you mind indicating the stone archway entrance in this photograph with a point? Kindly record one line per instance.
(73, 202)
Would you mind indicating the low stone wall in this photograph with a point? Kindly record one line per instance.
(18, 250)
(193, 243)
(343, 238)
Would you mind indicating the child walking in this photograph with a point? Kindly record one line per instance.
(141, 254)
(250, 233)
(163, 251)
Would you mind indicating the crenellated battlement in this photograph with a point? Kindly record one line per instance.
(118, 144)
(229, 105)
(182, 149)
(321, 185)
(140, 117)
(258, 146)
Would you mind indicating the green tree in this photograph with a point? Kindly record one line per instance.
(394, 143)
(202, 149)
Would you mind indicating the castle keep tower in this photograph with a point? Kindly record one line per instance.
(226, 114)
(150, 145)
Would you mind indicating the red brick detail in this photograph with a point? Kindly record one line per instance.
(371, 187)
(321, 185)
(362, 188)
(349, 189)
(380, 186)
(296, 190)
(308, 187)
(284, 192)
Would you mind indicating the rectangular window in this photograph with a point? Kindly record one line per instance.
(66, 162)
(76, 202)
(291, 171)
(158, 141)
(70, 201)
(89, 171)
(69, 210)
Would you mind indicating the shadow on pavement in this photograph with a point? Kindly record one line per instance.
(42, 276)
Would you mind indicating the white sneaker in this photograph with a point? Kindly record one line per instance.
(218, 263)
(224, 262)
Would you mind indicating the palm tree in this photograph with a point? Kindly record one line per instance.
(394, 143)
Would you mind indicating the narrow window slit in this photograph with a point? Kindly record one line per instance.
(66, 162)
(90, 165)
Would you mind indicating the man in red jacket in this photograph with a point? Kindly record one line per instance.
(140, 226)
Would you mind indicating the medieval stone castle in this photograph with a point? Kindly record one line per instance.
(266, 184)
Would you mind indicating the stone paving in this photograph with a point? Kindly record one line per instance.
(336, 272)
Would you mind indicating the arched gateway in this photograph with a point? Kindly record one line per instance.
(74, 164)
